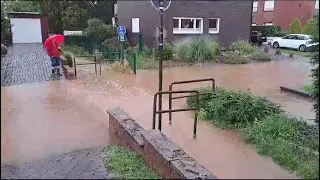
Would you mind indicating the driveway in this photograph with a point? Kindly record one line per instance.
(25, 63)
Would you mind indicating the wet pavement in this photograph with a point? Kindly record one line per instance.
(25, 63)
(81, 164)
(43, 119)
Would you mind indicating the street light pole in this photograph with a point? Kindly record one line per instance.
(161, 8)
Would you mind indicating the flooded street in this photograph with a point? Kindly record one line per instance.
(47, 118)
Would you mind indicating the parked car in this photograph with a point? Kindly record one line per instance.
(257, 38)
(301, 42)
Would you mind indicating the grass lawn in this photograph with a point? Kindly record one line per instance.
(296, 53)
(307, 88)
(126, 164)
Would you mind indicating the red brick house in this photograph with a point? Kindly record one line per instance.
(281, 12)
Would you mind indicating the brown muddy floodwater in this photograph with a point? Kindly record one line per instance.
(47, 118)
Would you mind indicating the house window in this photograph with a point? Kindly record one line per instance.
(268, 5)
(255, 6)
(253, 24)
(187, 25)
(214, 24)
(317, 4)
(268, 24)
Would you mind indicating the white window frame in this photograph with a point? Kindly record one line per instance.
(268, 24)
(269, 5)
(211, 30)
(181, 31)
(255, 6)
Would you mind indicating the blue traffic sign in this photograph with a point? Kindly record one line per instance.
(121, 30)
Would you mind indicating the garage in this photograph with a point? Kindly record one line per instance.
(28, 27)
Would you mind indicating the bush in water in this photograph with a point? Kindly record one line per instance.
(197, 48)
(233, 109)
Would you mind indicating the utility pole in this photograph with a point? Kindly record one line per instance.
(161, 8)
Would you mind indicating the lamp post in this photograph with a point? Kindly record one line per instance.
(161, 47)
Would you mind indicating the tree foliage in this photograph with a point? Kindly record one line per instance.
(310, 27)
(74, 18)
(315, 70)
(295, 26)
(98, 29)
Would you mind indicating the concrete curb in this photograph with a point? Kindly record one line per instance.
(296, 92)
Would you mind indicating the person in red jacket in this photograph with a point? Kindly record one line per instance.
(54, 53)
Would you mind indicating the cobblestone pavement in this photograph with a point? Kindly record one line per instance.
(25, 63)
(81, 164)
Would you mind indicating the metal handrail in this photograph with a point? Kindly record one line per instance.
(179, 97)
(175, 110)
(80, 64)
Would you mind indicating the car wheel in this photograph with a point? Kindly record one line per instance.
(275, 45)
(302, 48)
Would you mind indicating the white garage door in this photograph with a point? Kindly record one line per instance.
(26, 30)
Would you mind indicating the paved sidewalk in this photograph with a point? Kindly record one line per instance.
(81, 164)
(25, 63)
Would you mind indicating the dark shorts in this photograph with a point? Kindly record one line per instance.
(55, 61)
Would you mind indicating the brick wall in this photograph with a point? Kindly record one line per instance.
(284, 12)
(158, 152)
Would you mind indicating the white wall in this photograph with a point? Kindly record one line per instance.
(26, 30)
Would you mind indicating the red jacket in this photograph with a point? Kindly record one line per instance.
(52, 48)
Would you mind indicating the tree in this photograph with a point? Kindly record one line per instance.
(315, 71)
(102, 10)
(310, 27)
(74, 18)
(295, 26)
(99, 30)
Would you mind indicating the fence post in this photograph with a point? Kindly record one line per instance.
(135, 63)
(140, 42)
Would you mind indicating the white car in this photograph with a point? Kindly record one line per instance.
(301, 42)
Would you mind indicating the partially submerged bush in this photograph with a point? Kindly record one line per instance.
(234, 109)
(278, 51)
(243, 46)
(68, 57)
(291, 55)
(76, 50)
(260, 57)
(197, 48)
(168, 52)
(289, 141)
(234, 57)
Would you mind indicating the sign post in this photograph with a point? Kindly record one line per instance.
(121, 30)
(161, 6)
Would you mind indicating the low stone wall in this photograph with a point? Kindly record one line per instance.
(158, 152)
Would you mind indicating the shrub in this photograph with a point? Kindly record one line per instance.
(98, 29)
(168, 52)
(315, 71)
(278, 51)
(76, 50)
(295, 26)
(243, 46)
(198, 48)
(310, 27)
(291, 55)
(234, 57)
(145, 59)
(260, 56)
(234, 109)
(289, 141)
(266, 49)
(68, 57)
